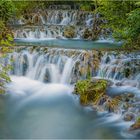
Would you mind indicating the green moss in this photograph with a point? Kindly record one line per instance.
(136, 125)
(90, 91)
(138, 119)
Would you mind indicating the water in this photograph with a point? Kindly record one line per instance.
(39, 102)
(58, 17)
(38, 110)
(70, 44)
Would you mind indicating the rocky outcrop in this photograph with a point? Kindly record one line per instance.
(87, 34)
(136, 125)
(69, 32)
(129, 116)
(94, 92)
(90, 90)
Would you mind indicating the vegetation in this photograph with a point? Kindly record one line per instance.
(136, 125)
(6, 41)
(123, 19)
(90, 91)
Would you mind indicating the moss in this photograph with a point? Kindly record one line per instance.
(136, 125)
(90, 91)
(93, 92)
(138, 119)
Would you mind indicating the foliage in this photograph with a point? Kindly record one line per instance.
(6, 40)
(6, 46)
(133, 28)
(123, 19)
(7, 9)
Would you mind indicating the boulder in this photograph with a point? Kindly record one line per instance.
(69, 32)
(90, 91)
(129, 116)
(126, 82)
(136, 125)
(87, 34)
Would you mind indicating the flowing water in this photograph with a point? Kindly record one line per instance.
(32, 109)
(39, 102)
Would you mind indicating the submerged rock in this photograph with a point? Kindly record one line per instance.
(129, 116)
(126, 82)
(136, 125)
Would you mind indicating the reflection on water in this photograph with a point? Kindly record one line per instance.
(32, 109)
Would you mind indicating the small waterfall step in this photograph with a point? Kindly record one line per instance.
(68, 66)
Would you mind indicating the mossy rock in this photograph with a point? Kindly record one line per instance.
(112, 104)
(90, 91)
(87, 34)
(136, 125)
(69, 32)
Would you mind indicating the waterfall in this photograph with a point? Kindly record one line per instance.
(54, 73)
(67, 71)
(53, 24)
(122, 68)
(67, 66)
(49, 31)
(56, 66)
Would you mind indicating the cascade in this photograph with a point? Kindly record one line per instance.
(68, 66)
(43, 78)
(55, 24)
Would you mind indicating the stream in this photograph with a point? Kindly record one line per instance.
(33, 109)
(47, 62)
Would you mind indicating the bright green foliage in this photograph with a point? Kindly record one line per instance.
(6, 46)
(133, 27)
(90, 91)
(123, 19)
(7, 10)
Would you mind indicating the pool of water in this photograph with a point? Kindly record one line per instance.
(32, 109)
(70, 43)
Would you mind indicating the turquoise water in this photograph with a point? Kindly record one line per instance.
(69, 44)
(37, 110)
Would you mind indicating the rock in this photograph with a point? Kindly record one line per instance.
(125, 106)
(69, 32)
(87, 34)
(129, 116)
(130, 95)
(59, 37)
(136, 125)
(112, 104)
(90, 91)
(126, 82)
(109, 82)
(127, 97)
